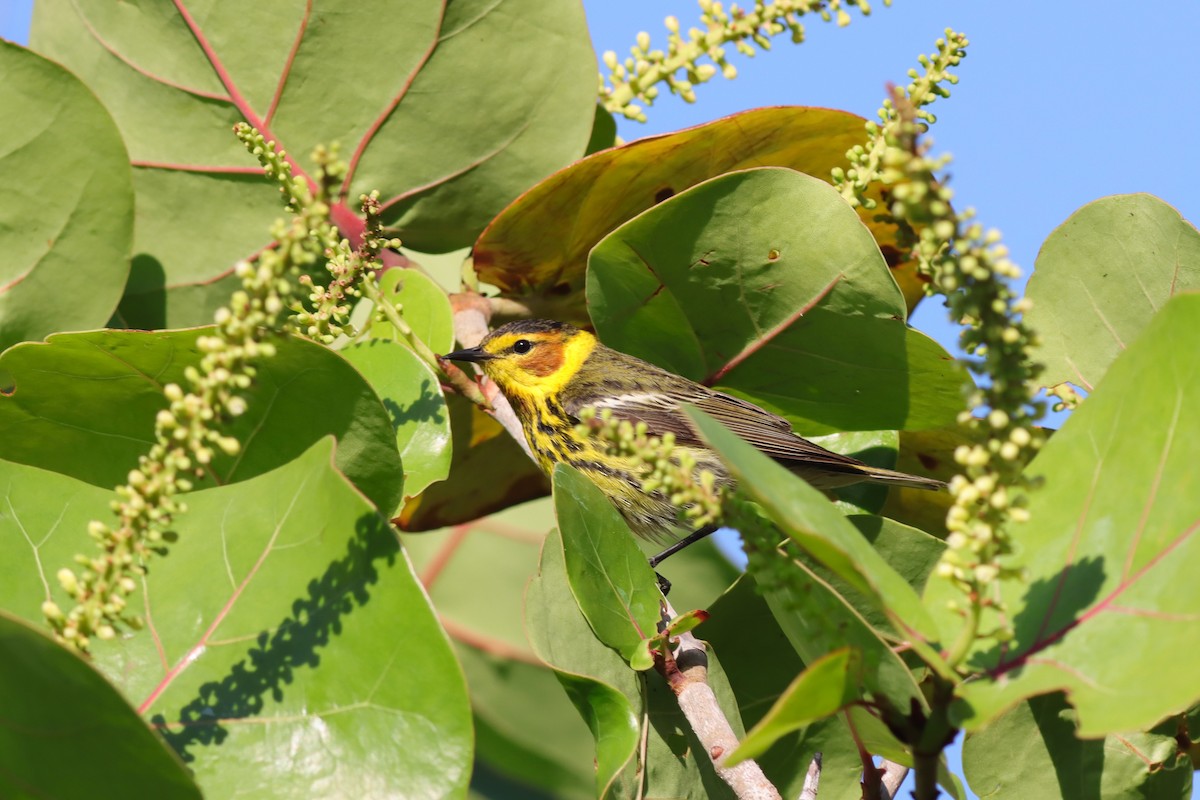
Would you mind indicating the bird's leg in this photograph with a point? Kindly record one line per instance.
(690, 539)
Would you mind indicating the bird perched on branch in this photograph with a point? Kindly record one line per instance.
(551, 371)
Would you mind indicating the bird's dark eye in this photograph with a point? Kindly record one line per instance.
(522, 346)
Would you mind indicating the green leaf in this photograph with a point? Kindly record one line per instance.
(553, 749)
(726, 282)
(1100, 278)
(84, 405)
(608, 573)
(423, 305)
(1111, 549)
(826, 687)
(1032, 752)
(288, 646)
(539, 245)
(604, 690)
(760, 662)
(475, 105)
(489, 472)
(811, 521)
(413, 398)
(66, 732)
(66, 216)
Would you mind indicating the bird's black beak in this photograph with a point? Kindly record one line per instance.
(473, 355)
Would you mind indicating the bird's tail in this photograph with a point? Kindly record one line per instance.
(893, 478)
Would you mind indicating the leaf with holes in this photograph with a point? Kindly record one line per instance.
(83, 404)
(1100, 278)
(1110, 550)
(55, 708)
(289, 650)
(537, 248)
(66, 215)
(450, 110)
(764, 283)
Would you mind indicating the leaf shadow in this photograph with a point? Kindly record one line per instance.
(427, 407)
(1053, 605)
(294, 644)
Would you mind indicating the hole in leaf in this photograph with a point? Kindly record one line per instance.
(664, 194)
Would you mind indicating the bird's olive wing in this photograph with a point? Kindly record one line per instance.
(663, 413)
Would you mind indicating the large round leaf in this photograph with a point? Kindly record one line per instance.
(55, 707)
(83, 404)
(66, 215)
(1111, 550)
(450, 110)
(538, 247)
(289, 650)
(766, 284)
(1101, 276)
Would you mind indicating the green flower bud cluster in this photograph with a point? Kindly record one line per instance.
(970, 268)
(188, 432)
(1068, 398)
(661, 466)
(638, 76)
(867, 161)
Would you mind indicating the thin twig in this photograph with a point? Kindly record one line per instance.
(686, 672)
(893, 775)
(812, 780)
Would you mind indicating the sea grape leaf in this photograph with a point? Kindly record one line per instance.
(537, 248)
(1031, 751)
(596, 679)
(66, 215)
(424, 307)
(823, 689)
(54, 706)
(488, 472)
(1110, 550)
(414, 401)
(760, 663)
(84, 404)
(806, 516)
(262, 662)
(764, 283)
(609, 576)
(553, 750)
(1100, 278)
(474, 105)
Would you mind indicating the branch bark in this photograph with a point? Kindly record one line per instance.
(686, 672)
(893, 775)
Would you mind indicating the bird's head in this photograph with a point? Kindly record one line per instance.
(530, 356)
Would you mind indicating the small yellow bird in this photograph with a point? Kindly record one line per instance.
(551, 371)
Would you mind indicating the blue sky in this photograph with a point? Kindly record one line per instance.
(1059, 103)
